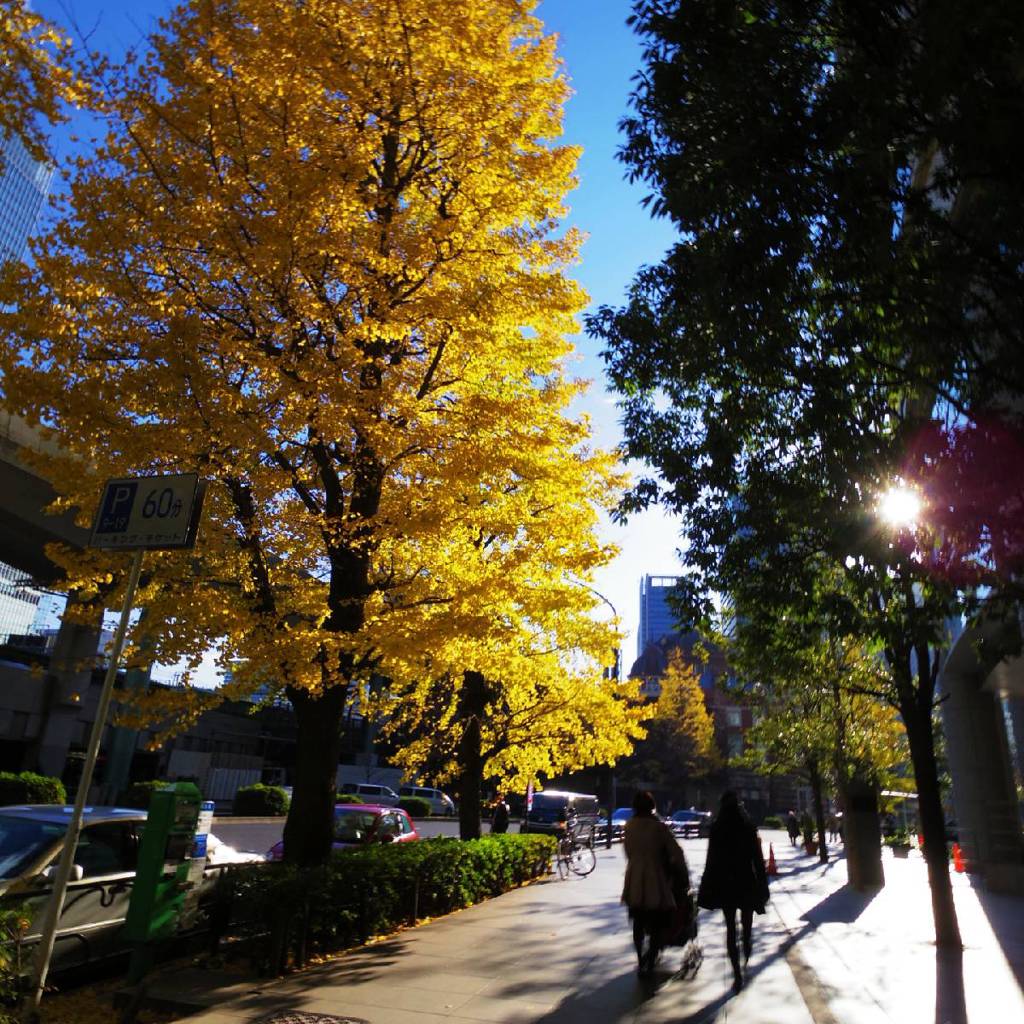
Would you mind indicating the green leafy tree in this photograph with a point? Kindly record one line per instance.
(843, 175)
(822, 714)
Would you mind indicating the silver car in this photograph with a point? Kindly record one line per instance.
(31, 838)
(440, 803)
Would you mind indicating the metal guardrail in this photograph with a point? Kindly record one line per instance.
(98, 938)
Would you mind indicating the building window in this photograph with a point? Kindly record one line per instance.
(734, 718)
(734, 742)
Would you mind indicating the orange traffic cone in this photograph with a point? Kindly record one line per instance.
(772, 868)
(958, 859)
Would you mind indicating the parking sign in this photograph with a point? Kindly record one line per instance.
(149, 512)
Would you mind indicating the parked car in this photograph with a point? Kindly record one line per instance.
(619, 818)
(691, 823)
(358, 825)
(371, 793)
(553, 808)
(31, 839)
(440, 803)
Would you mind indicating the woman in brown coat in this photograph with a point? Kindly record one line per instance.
(734, 877)
(653, 860)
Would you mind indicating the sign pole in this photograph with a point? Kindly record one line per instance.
(67, 856)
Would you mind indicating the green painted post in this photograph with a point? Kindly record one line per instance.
(162, 878)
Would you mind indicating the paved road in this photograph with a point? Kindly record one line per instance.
(260, 836)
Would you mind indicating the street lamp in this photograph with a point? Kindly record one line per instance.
(612, 672)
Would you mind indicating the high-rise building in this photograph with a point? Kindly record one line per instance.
(19, 602)
(24, 185)
(656, 618)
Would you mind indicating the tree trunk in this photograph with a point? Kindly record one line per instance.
(819, 811)
(862, 836)
(309, 830)
(472, 704)
(917, 717)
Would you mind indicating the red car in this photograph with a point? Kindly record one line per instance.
(362, 825)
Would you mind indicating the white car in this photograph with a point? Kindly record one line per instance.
(371, 793)
(440, 803)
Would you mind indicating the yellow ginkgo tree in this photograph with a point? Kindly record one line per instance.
(526, 694)
(317, 260)
(36, 76)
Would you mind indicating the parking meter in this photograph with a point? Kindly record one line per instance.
(203, 826)
(165, 871)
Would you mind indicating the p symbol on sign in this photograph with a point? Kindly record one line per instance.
(117, 507)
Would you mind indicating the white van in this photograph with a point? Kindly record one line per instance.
(440, 803)
(371, 793)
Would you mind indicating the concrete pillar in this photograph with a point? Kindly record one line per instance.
(67, 683)
(984, 794)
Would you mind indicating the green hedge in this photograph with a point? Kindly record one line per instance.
(139, 794)
(348, 798)
(29, 788)
(372, 891)
(260, 801)
(772, 821)
(415, 806)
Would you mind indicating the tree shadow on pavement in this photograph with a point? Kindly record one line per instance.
(842, 906)
(1005, 918)
(810, 865)
(950, 1002)
(619, 999)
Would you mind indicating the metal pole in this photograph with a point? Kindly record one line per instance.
(67, 855)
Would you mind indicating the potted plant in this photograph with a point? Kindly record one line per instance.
(810, 843)
(898, 842)
(807, 832)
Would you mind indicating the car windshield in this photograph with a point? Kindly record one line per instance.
(22, 841)
(351, 824)
(622, 813)
(543, 802)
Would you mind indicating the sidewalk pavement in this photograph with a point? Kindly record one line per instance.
(559, 952)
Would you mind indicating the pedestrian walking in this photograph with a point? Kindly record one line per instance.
(734, 877)
(654, 862)
(792, 827)
(499, 820)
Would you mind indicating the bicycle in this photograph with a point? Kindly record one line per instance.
(574, 854)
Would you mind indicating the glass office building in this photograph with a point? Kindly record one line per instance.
(24, 186)
(656, 618)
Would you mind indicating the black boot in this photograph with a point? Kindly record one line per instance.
(737, 976)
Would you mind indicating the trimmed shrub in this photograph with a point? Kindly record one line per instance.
(348, 798)
(772, 821)
(415, 806)
(30, 788)
(260, 801)
(14, 922)
(139, 794)
(371, 891)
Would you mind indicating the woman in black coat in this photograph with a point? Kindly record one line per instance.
(734, 877)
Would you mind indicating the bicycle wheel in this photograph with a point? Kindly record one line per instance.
(582, 860)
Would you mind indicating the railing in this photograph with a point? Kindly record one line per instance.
(99, 937)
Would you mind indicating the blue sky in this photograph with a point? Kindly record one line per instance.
(601, 54)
